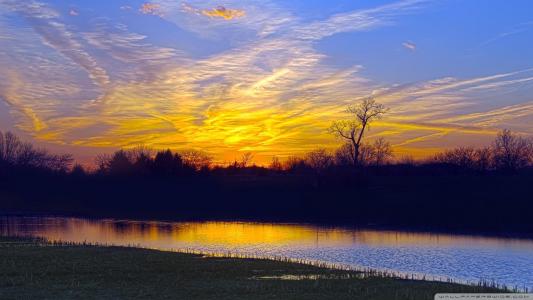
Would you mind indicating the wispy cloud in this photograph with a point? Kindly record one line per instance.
(358, 20)
(519, 28)
(45, 21)
(271, 91)
(409, 46)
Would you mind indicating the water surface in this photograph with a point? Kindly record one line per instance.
(435, 256)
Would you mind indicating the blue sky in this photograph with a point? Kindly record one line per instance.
(264, 76)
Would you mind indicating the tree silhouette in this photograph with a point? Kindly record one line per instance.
(14, 152)
(512, 152)
(275, 164)
(120, 163)
(196, 160)
(246, 159)
(141, 157)
(78, 171)
(382, 151)
(319, 160)
(167, 163)
(344, 155)
(353, 129)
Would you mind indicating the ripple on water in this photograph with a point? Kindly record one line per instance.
(438, 256)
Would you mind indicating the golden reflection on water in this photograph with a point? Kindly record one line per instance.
(437, 256)
(231, 234)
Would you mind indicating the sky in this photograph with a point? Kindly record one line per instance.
(268, 77)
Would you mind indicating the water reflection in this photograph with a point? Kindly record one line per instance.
(463, 258)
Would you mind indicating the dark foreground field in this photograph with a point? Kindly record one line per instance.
(31, 269)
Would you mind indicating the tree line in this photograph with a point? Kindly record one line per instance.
(16, 153)
(485, 189)
(509, 152)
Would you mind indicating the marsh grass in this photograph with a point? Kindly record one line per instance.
(36, 269)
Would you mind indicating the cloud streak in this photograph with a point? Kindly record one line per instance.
(409, 46)
(270, 91)
(45, 21)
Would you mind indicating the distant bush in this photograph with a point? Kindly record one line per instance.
(512, 152)
(143, 161)
(15, 153)
(319, 160)
(509, 152)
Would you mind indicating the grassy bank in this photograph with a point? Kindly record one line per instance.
(37, 270)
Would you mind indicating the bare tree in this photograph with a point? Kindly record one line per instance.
(511, 152)
(60, 162)
(378, 153)
(141, 153)
(275, 165)
(367, 154)
(102, 162)
(246, 159)
(294, 164)
(407, 160)
(10, 147)
(382, 151)
(14, 152)
(196, 160)
(464, 157)
(319, 160)
(353, 130)
(344, 155)
(467, 157)
(484, 159)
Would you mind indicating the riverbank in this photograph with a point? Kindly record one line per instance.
(38, 270)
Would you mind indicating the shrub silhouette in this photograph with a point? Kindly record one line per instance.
(15, 153)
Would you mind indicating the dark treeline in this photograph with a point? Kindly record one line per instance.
(463, 189)
(508, 154)
(485, 190)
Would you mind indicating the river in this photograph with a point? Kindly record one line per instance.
(425, 255)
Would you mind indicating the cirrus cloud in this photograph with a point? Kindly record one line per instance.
(409, 46)
(271, 91)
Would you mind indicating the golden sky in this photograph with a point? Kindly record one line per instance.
(266, 77)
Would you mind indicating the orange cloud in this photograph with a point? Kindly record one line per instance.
(150, 9)
(222, 12)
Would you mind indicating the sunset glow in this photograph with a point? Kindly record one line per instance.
(267, 77)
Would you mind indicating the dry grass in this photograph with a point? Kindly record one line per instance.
(33, 269)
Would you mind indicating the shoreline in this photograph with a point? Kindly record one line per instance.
(316, 261)
(362, 271)
(337, 225)
(282, 275)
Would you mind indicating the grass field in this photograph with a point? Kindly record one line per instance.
(32, 269)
